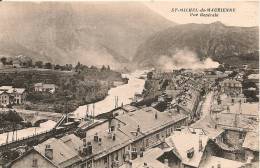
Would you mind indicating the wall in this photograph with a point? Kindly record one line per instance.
(27, 161)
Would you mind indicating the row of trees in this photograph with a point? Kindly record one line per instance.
(48, 65)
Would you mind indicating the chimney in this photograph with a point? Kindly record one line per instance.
(48, 152)
(129, 164)
(218, 165)
(114, 137)
(99, 141)
(89, 148)
(166, 162)
(138, 128)
(156, 116)
(84, 142)
(96, 137)
(200, 145)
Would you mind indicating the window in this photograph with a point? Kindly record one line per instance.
(83, 165)
(35, 163)
(105, 160)
(157, 136)
(89, 164)
(147, 142)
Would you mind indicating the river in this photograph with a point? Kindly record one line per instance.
(125, 94)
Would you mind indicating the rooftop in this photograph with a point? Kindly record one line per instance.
(106, 143)
(11, 89)
(183, 141)
(252, 141)
(147, 120)
(213, 161)
(208, 127)
(246, 108)
(253, 76)
(242, 121)
(61, 152)
(150, 158)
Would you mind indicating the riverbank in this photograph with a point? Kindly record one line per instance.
(74, 88)
(123, 93)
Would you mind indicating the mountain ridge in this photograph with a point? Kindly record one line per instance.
(92, 33)
(216, 41)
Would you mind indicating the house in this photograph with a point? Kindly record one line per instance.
(52, 153)
(128, 136)
(187, 103)
(231, 87)
(4, 98)
(41, 87)
(11, 95)
(216, 162)
(148, 159)
(251, 146)
(254, 78)
(185, 149)
(17, 63)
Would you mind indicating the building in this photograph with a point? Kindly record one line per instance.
(4, 98)
(41, 87)
(231, 87)
(251, 146)
(149, 159)
(187, 103)
(11, 95)
(186, 149)
(126, 138)
(254, 78)
(52, 153)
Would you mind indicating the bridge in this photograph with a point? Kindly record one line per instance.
(36, 117)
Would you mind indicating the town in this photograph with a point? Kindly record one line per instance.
(138, 84)
(181, 118)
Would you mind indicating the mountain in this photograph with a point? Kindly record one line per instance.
(190, 44)
(67, 32)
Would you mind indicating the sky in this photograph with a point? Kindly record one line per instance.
(246, 12)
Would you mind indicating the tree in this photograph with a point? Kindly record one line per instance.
(48, 65)
(77, 67)
(3, 60)
(149, 75)
(39, 64)
(103, 68)
(57, 67)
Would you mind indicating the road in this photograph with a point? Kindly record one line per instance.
(205, 110)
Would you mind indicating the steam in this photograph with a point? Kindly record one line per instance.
(185, 59)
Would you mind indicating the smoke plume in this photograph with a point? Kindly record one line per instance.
(185, 59)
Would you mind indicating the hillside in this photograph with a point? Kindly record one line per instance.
(189, 44)
(92, 33)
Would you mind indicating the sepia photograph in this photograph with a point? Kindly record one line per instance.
(121, 84)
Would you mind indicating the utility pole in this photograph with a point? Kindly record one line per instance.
(93, 112)
(7, 137)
